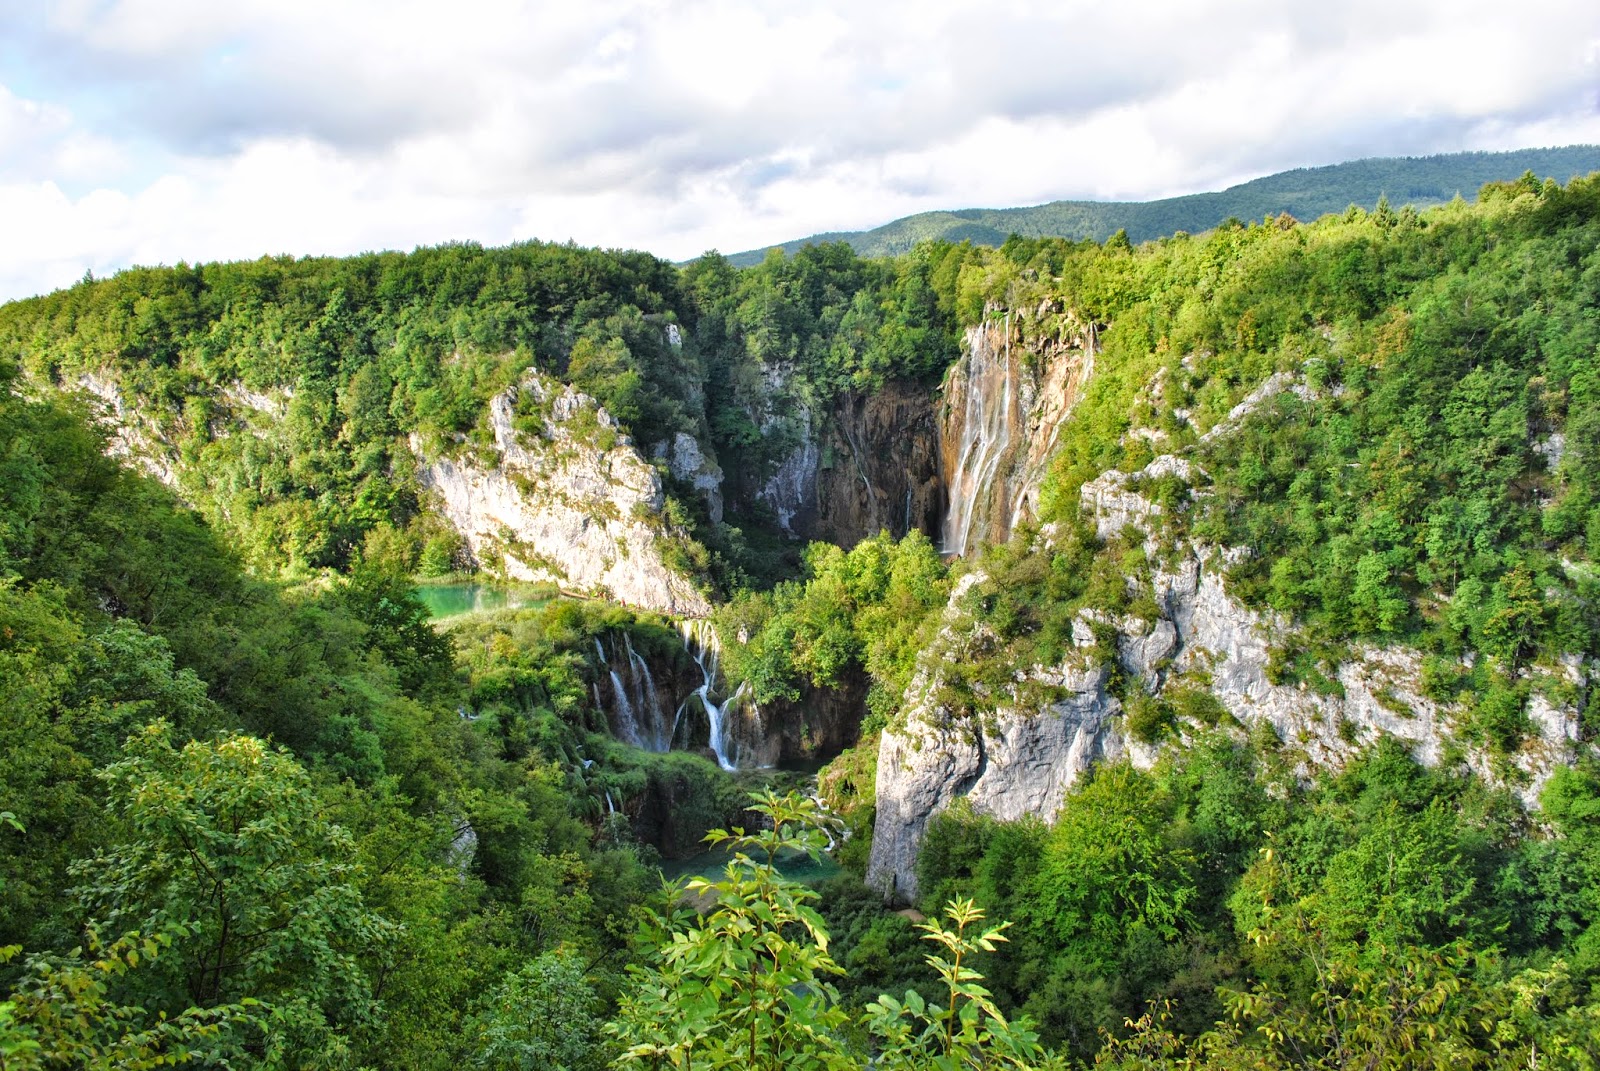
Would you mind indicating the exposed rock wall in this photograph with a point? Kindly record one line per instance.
(688, 462)
(137, 441)
(869, 463)
(813, 728)
(563, 505)
(1002, 408)
(1030, 756)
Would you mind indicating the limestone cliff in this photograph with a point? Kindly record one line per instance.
(569, 501)
(137, 440)
(1029, 752)
(869, 462)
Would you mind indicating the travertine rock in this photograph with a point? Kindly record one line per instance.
(1003, 405)
(561, 506)
(1026, 760)
(869, 463)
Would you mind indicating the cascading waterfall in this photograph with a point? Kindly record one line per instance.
(985, 434)
(649, 702)
(636, 703)
(627, 721)
(700, 640)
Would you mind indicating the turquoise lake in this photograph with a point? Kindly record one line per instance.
(453, 600)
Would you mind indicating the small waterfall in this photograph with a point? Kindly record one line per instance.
(627, 721)
(611, 808)
(700, 640)
(985, 433)
(639, 717)
(647, 702)
(677, 718)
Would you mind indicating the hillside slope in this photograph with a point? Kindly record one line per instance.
(1305, 193)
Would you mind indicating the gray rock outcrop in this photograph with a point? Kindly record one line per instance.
(690, 464)
(570, 501)
(1024, 757)
(869, 463)
(137, 441)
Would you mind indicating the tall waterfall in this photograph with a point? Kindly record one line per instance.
(1002, 418)
(986, 423)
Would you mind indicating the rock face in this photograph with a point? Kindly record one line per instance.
(688, 463)
(813, 728)
(1002, 409)
(570, 502)
(1029, 755)
(136, 441)
(870, 463)
(1023, 764)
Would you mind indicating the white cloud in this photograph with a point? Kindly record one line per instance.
(154, 130)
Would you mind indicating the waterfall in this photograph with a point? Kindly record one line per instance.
(677, 717)
(649, 704)
(985, 434)
(638, 714)
(611, 808)
(700, 640)
(627, 722)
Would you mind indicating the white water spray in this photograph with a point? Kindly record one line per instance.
(700, 640)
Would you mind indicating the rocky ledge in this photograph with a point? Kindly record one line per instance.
(1024, 758)
(568, 501)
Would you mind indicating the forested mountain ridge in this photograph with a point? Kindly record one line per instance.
(1305, 193)
(1234, 637)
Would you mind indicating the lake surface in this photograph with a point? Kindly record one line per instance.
(453, 600)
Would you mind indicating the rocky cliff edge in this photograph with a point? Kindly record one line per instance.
(1026, 756)
(564, 498)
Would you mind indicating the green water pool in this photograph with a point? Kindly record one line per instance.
(454, 600)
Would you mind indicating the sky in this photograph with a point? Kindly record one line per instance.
(153, 131)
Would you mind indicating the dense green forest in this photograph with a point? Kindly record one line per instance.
(1306, 193)
(364, 351)
(258, 811)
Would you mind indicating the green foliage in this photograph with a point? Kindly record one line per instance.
(968, 1030)
(225, 841)
(744, 981)
(540, 1017)
(868, 609)
(746, 984)
(64, 1014)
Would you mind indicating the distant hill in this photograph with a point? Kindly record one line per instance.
(1305, 193)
